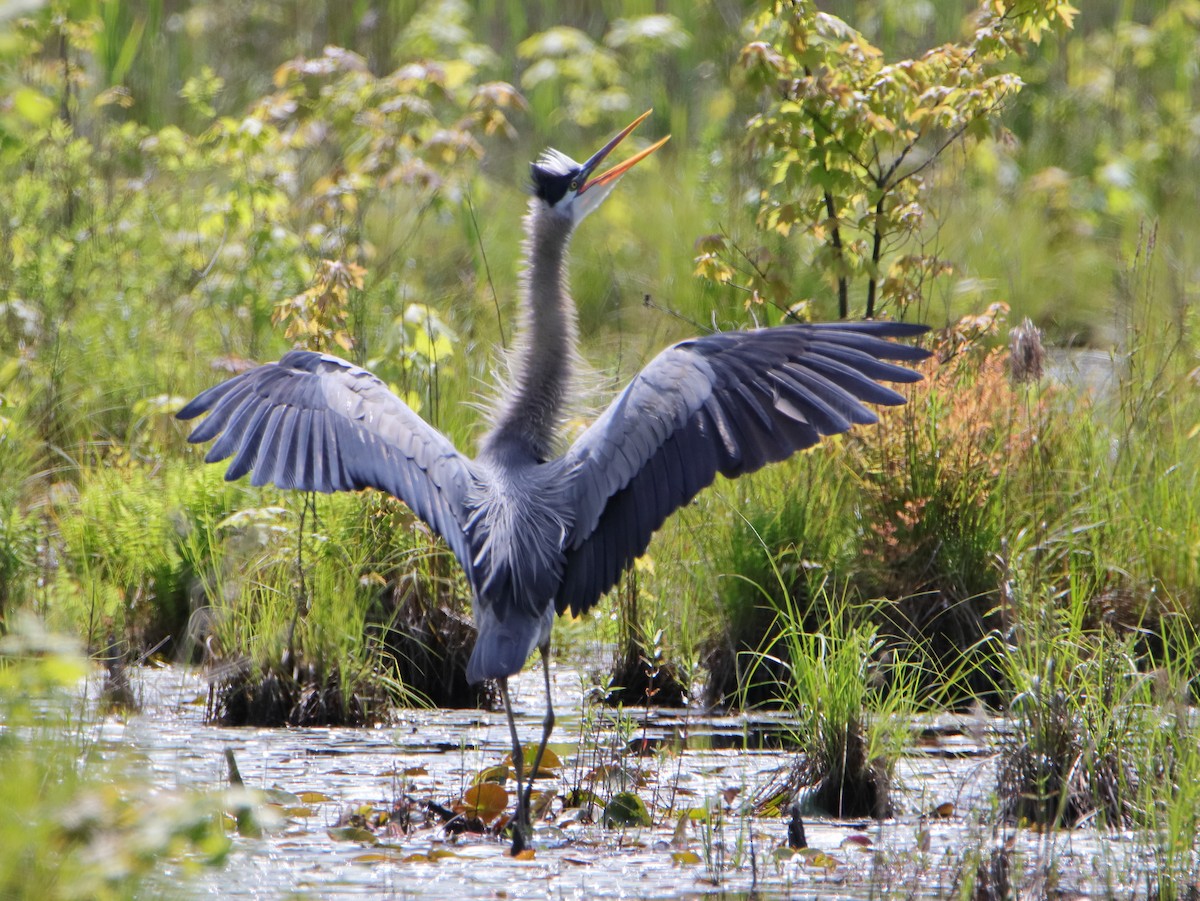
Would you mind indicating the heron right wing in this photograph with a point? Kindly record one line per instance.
(726, 403)
(317, 423)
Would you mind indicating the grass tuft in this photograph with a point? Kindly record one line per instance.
(851, 704)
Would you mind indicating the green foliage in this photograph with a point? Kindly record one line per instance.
(17, 541)
(573, 78)
(130, 550)
(1081, 716)
(792, 533)
(242, 212)
(1096, 737)
(1058, 206)
(187, 239)
(74, 826)
(846, 139)
(185, 190)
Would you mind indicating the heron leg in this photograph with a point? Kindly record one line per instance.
(547, 728)
(520, 826)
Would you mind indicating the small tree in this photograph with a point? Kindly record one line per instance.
(846, 139)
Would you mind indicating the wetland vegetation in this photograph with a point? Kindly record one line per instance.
(188, 187)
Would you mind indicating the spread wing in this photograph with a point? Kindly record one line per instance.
(727, 403)
(317, 423)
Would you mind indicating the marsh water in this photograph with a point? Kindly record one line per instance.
(321, 778)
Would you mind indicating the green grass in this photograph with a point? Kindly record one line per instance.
(852, 703)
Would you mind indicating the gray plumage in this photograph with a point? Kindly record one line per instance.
(538, 535)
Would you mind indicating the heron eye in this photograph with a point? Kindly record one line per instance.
(575, 185)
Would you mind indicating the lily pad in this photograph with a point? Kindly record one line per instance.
(624, 810)
(819, 859)
(497, 774)
(485, 801)
(550, 766)
(353, 834)
(313, 797)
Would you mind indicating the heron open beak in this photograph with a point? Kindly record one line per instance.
(611, 175)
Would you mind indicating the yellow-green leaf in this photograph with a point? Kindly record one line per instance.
(486, 801)
(624, 810)
(32, 106)
(353, 834)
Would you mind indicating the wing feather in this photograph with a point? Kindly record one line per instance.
(853, 381)
(728, 403)
(318, 423)
(269, 440)
(302, 450)
(247, 449)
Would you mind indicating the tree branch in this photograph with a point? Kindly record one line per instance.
(876, 253)
(836, 238)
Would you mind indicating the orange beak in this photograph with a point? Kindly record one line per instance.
(621, 168)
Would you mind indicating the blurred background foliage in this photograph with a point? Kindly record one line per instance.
(187, 187)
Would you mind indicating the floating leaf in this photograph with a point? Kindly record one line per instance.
(550, 765)
(421, 856)
(485, 801)
(498, 774)
(313, 797)
(353, 834)
(385, 856)
(685, 858)
(624, 810)
(282, 797)
(527, 854)
(818, 859)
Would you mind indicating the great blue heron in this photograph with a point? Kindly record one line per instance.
(538, 532)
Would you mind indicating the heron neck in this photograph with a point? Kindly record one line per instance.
(532, 408)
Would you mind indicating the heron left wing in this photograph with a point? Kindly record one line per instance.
(726, 403)
(318, 423)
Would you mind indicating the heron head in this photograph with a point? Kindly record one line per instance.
(570, 189)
